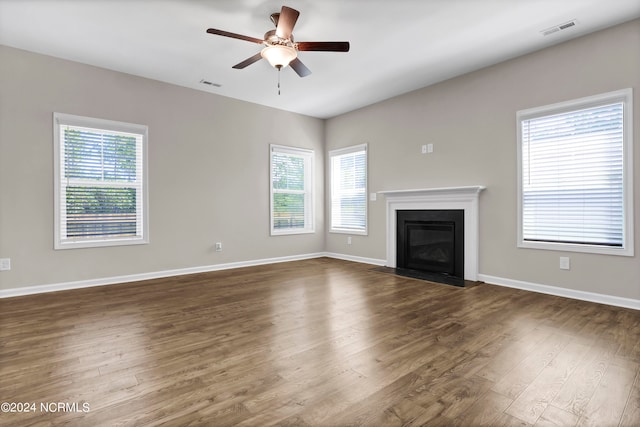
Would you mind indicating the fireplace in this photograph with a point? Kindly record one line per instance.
(430, 244)
(456, 198)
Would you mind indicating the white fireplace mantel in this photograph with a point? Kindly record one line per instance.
(465, 198)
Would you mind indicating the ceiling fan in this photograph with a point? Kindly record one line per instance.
(280, 48)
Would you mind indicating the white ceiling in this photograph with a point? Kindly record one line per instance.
(396, 46)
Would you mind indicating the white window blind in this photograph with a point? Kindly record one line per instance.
(100, 188)
(573, 179)
(291, 190)
(349, 190)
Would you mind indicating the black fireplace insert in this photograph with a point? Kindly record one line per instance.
(430, 245)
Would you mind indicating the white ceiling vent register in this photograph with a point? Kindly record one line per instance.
(559, 27)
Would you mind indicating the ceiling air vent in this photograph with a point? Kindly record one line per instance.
(207, 82)
(559, 27)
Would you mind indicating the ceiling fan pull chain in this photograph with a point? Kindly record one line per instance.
(279, 68)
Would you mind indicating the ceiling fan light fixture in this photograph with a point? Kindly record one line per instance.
(279, 56)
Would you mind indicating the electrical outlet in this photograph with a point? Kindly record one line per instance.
(429, 148)
(218, 246)
(5, 264)
(348, 240)
(565, 263)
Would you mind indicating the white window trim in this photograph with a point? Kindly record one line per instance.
(625, 96)
(61, 119)
(339, 152)
(309, 213)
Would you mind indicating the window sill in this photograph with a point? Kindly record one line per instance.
(291, 232)
(348, 231)
(568, 247)
(99, 243)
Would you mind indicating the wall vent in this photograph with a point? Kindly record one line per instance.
(559, 27)
(207, 82)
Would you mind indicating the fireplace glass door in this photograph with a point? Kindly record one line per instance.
(430, 246)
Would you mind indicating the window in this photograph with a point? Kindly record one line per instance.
(575, 175)
(100, 182)
(291, 190)
(349, 190)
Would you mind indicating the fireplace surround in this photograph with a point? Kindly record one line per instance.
(449, 198)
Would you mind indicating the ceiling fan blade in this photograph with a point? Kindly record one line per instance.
(323, 46)
(300, 68)
(248, 61)
(234, 35)
(286, 22)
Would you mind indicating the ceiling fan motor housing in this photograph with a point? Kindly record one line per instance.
(271, 38)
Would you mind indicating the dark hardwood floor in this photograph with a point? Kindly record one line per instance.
(320, 342)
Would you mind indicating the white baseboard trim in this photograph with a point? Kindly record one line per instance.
(354, 258)
(39, 289)
(500, 281)
(561, 292)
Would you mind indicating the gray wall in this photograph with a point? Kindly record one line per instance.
(471, 122)
(208, 172)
